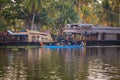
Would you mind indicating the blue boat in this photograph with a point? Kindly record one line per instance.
(62, 46)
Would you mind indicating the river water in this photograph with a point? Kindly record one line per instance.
(90, 63)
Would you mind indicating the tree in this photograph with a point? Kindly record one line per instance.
(110, 12)
(55, 14)
(79, 6)
(10, 12)
(3, 4)
(67, 14)
(33, 6)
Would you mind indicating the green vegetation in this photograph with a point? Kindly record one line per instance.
(55, 14)
(14, 48)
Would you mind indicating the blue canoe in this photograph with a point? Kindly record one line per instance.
(62, 46)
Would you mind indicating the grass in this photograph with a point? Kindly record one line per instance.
(17, 47)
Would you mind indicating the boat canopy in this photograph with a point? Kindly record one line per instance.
(17, 33)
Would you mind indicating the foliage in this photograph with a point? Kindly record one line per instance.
(110, 12)
(67, 15)
(55, 14)
(2, 26)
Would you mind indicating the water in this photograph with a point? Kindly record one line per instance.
(91, 63)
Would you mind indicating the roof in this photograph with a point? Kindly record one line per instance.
(36, 32)
(25, 32)
(86, 25)
(93, 31)
(97, 29)
(105, 28)
(71, 31)
(17, 33)
(101, 31)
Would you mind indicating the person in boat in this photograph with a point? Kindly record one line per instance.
(41, 44)
(57, 43)
(84, 43)
(69, 43)
(62, 42)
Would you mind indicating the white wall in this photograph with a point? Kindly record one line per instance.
(110, 37)
(99, 36)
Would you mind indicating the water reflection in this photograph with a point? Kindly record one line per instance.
(105, 64)
(91, 63)
(11, 65)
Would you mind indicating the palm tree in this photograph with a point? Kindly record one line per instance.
(67, 15)
(9, 13)
(33, 6)
(115, 4)
(3, 4)
(79, 6)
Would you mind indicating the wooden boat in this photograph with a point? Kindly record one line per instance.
(62, 46)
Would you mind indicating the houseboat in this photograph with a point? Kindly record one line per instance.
(24, 37)
(92, 34)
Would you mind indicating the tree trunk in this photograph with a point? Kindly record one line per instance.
(32, 24)
(79, 12)
(119, 17)
(14, 26)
